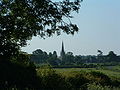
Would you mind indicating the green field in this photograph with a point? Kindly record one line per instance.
(114, 72)
(105, 78)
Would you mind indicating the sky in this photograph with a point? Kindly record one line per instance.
(99, 24)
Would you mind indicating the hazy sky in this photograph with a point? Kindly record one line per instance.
(99, 23)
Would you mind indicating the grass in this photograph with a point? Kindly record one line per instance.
(92, 78)
(113, 73)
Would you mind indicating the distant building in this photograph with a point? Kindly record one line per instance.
(62, 53)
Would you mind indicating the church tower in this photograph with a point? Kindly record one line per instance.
(62, 54)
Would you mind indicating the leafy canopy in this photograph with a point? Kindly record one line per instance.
(20, 20)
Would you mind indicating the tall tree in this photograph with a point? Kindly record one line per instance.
(69, 58)
(54, 54)
(22, 19)
(37, 52)
(112, 56)
(100, 56)
(100, 53)
(39, 56)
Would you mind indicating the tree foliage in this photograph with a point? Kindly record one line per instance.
(71, 60)
(112, 56)
(22, 19)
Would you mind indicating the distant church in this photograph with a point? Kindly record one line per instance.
(62, 53)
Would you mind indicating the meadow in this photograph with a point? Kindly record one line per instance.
(105, 78)
(113, 72)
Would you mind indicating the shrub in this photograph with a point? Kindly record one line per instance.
(99, 87)
(77, 81)
(17, 75)
(98, 78)
(51, 80)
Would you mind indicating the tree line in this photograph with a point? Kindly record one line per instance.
(41, 57)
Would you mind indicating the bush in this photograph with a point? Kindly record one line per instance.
(98, 78)
(16, 75)
(77, 81)
(99, 87)
(51, 80)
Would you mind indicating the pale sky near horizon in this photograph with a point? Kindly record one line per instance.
(99, 23)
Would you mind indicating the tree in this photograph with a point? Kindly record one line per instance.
(53, 61)
(50, 54)
(37, 52)
(69, 58)
(78, 59)
(39, 56)
(112, 56)
(100, 56)
(20, 20)
(54, 54)
(100, 53)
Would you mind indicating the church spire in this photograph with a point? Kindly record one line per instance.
(62, 54)
(62, 46)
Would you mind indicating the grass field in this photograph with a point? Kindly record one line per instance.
(114, 72)
(105, 78)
